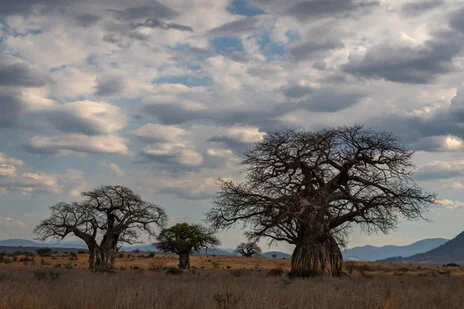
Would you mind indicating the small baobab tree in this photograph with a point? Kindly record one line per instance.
(182, 239)
(248, 249)
(308, 188)
(107, 216)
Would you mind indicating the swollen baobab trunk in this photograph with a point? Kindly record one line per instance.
(318, 256)
(184, 260)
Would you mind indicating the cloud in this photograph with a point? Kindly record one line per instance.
(118, 172)
(307, 50)
(16, 176)
(153, 133)
(158, 23)
(419, 7)
(457, 20)
(420, 64)
(450, 204)
(176, 112)
(77, 144)
(297, 91)
(237, 138)
(236, 27)
(4, 159)
(86, 117)
(190, 187)
(326, 100)
(12, 223)
(155, 10)
(440, 170)
(11, 109)
(172, 154)
(436, 129)
(12, 7)
(14, 73)
(108, 86)
(319, 8)
(87, 20)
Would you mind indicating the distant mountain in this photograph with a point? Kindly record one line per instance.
(278, 255)
(371, 253)
(19, 243)
(141, 248)
(30, 243)
(23, 243)
(450, 252)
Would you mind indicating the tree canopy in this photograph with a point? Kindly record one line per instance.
(106, 217)
(248, 249)
(183, 238)
(308, 188)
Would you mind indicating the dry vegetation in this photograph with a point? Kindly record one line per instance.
(144, 281)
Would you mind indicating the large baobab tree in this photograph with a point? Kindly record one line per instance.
(106, 217)
(183, 238)
(308, 188)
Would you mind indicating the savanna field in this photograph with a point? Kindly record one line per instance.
(141, 280)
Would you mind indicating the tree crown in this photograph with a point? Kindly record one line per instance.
(114, 210)
(248, 249)
(317, 183)
(182, 238)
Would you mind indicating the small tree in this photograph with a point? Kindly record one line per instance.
(182, 239)
(248, 249)
(308, 188)
(107, 216)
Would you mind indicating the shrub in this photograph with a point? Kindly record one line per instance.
(452, 265)
(44, 251)
(26, 259)
(173, 271)
(73, 254)
(67, 266)
(276, 272)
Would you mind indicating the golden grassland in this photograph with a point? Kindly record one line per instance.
(144, 281)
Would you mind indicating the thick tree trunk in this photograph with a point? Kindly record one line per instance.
(184, 260)
(319, 257)
(107, 252)
(92, 257)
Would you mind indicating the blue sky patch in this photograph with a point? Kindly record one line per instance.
(270, 48)
(227, 45)
(187, 80)
(293, 36)
(242, 7)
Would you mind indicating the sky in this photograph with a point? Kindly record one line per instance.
(163, 96)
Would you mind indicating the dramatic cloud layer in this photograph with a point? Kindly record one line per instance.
(163, 96)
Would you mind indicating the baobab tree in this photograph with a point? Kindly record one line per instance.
(107, 216)
(248, 249)
(182, 239)
(308, 188)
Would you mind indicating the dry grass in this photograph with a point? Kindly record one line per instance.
(246, 283)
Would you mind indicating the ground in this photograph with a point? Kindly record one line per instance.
(144, 281)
